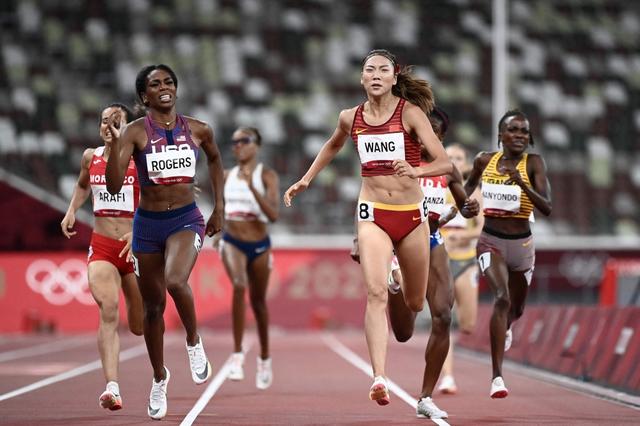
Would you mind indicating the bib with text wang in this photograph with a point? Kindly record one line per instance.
(501, 199)
(380, 150)
(174, 164)
(122, 201)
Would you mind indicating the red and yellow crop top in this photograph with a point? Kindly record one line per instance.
(379, 145)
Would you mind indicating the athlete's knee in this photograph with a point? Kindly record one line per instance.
(177, 286)
(467, 326)
(153, 310)
(502, 302)
(441, 321)
(415, 303)
(377, 296)
(109, 311)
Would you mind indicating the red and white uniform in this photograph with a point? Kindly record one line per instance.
(122, 204)
(434, 189)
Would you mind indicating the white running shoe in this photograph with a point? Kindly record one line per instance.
(200, 366)
(498, 389)
(447, 385)
(264, 373)
(426, 409)
(157, 408)
(379, 391)
(508, 339)
(111, 398)
(236, 372)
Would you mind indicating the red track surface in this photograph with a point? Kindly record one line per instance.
(312, 385)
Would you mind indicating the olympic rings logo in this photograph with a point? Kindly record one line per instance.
(60, 285)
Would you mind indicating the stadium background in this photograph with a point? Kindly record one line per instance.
(288, 68)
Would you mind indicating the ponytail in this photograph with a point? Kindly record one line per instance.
(415, 90)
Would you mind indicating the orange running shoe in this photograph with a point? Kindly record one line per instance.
(379, 391)
(111, 398)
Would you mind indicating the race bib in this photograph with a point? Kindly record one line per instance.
(503, 199)
(175, 164)
(122, 201)
(378, 150)
(365, 211)
(435, 196)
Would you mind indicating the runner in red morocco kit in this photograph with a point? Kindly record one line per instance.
(109, 266)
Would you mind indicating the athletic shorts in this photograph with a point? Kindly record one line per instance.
(518, 251)
(108, 249)
(251, 249)
(397, 220)
(152, 229)
(458, 267)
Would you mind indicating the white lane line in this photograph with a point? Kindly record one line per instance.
(44, 348)
(210, 391)
(350, 356)
(124, 355)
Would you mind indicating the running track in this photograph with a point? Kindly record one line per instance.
(319, 378)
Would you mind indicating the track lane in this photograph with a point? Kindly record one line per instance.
(312, 385)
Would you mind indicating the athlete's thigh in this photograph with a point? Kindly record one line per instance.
(259, 272)
(494, 268)
(150, 275)
(235, 263)
(376, 251)
(181, 251)
(131, 291)
(104, 281)
(439, 294)
(466, 295)
(413, 256)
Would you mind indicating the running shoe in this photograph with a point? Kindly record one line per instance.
(379, 391)
(157, 408)
(498, 389)
(264, 374)
(508, 339)
(447, 385)
(236, 372)
(200, 366)
(111, 398)
(426, 409)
